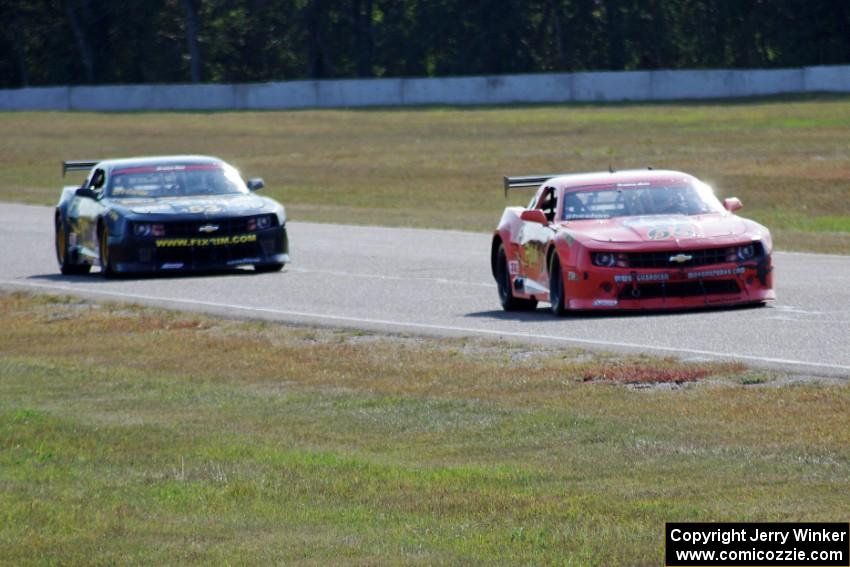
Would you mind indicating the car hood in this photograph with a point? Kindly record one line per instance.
(204, 206)
(660, 228)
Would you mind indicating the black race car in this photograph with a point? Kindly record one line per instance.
(171, 213)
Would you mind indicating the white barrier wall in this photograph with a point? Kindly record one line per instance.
(503, 89)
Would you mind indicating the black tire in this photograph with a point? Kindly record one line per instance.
(106, 269)
(265, 268)
(503, 283)
(62, 256)
(556, 287)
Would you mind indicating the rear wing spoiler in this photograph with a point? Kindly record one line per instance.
(77, 166)
(528, 181)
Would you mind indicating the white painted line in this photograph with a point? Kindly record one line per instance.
(817, 254)
(792, 309)
(813, 321)
(427, 326)
(385, 277)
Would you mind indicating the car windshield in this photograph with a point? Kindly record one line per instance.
(175, 181)
(639, 199)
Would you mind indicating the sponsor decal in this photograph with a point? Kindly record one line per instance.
(654, 277)
(170, 167)
(604, 302)
(513, 267)
(572, 276)
(200, 242)
(531, 256)
(599, 217)
(714, 273)
(119, 192)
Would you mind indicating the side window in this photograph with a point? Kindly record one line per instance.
(97, 179)
(549, 203)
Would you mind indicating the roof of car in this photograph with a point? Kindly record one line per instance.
(624, 176)
(159, 160)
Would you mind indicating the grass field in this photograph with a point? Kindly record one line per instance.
(135, 436)
(787, 159)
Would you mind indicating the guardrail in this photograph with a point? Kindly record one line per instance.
(501, 89)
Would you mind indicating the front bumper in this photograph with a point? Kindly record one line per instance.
(264, 247)
(730, 283)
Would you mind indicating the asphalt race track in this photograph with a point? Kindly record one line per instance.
(439, 283)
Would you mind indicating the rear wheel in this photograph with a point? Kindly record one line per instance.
(503, 282)
(106, 269)
(556, 287)
(62, 255)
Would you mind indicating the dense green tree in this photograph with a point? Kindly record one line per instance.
(54, 42)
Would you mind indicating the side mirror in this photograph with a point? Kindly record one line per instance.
(256, 184)
(86, 193)
(732, 204)
(534, 215)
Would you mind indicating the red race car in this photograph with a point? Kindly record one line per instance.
(639, 239)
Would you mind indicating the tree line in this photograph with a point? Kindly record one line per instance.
(58, 42)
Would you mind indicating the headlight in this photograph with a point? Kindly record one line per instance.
(747, 252)
(264, 222)
(604, 259)
(141, 229)
(609, 259)
(260, 223)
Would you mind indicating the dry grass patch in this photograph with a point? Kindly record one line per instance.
(630, 372)
(787, 159)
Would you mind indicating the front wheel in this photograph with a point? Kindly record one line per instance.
(62, 255)
(503, 283)
(106, 268)
(556, 287)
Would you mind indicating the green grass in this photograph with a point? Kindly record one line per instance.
(134, 436)
(787, 158)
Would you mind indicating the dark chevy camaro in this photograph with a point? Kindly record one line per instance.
(166, 214)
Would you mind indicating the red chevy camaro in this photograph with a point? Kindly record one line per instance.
(639, 239)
